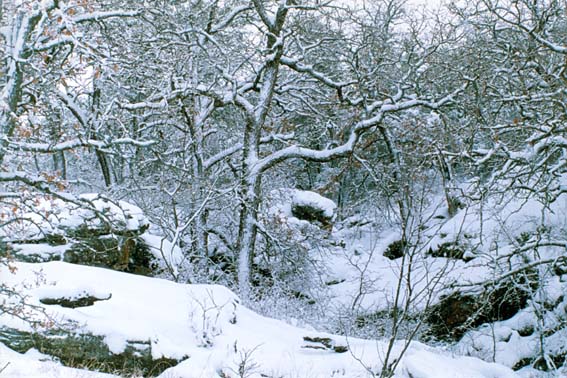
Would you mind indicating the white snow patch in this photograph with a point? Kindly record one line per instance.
(169, 255)
(207, 324)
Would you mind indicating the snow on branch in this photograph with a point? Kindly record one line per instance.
(43, 184)
(220, 99)
(98, 16)
(161, 101)
(297, 152)
(238, 146)
(550, 45)
(63, 40)
(261, 10)
(49, 185)
(82, 18)
(228, 19)
(75, 143)
(310, 70)
(516, 20)
(21, 30)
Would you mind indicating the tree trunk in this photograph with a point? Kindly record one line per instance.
(453, 203)
(104, 167)
(247, 233)
(100, 155)
(21, 29)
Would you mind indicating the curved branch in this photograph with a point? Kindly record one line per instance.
(297, 152)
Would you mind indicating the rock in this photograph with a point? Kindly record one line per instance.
(455, 314)
(129, 254)
(335, 282)
(88, 351)
(120, 252)
(292, 207)
(79, 301)
(452, 250)
(560, 267)
(313, 208)
(110, 234)
(325, 343)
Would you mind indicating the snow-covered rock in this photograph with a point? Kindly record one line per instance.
(102, 232)
(299, 208)
(40, 215)
(324, 207)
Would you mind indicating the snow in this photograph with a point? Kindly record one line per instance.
(166, 253)
(424, 365)
(367, 282)
(207, 324)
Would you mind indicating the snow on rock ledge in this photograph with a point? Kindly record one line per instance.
(207, 324)
(41, 215)
(129, 216)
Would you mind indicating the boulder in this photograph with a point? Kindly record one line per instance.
(458, 312)
(126, 251)
(299, 209)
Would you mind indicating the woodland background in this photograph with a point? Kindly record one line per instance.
(420, 124)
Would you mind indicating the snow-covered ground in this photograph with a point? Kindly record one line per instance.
(214, 335)
(498, 236)
(207, 324)
(35, 365)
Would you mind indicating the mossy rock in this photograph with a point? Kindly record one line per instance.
(103, 252)
(49, 239)
(549, 363)
(83, 300)
(89, 352)
(453, 316)
(308, 213)
(100, 251)
(84, 232)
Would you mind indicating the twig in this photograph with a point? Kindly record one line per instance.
(5, 367)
